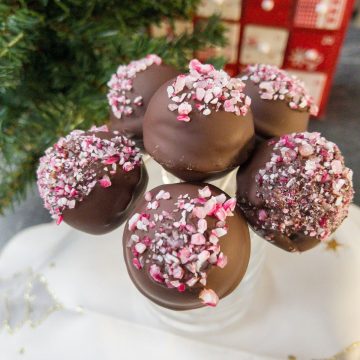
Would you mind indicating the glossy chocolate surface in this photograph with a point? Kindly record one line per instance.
(145, 84)
(235, 245)
(105, 209)
(207, 147)
(274, 117)
(249, 203)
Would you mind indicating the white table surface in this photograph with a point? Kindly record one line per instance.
(305, 304)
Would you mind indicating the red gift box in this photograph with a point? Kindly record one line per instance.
(302, 36)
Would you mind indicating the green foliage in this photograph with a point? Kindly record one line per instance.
(55, 59)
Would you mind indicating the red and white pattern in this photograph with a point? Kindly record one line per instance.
(320, 14)
(309, 59)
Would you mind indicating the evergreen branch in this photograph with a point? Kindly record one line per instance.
(55, 59)
(11, 44)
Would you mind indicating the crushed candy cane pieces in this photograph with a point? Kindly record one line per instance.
(183, 245)
(209, 297)
(209, 89)
(70, 169)
(305, 187)
(121, 85)
(277, 84)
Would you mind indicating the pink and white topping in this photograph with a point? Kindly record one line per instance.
(306, 187)
(205, 89)
(277, 84)
(184, 243)
(121, 85)
(71, 168)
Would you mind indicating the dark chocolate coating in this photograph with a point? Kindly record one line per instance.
(145, 84)
(105, 209)
(204, 148)
(235, 245)
(274, 117)
(250, 203)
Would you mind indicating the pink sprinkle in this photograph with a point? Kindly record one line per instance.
(184, 255)
(213, 239)
(205, 192)
(325, 177)
(128, 166)
(262, 215)
(172, 107)
(336, 166)
(154, 205)
(105, 182)
(199, 67)
(190, 228)
(229, 106)
(219, 232)
(184, 108)
(184, 118)
(170, 91)
(203, 256)
(111, 160)
(221, 214)
(133, 221)
(230, 205)
(220, 199)
(178, 272)
(156, 273)
(102, 128)
(200, 93)
(154, 59)
(162, 195)
(137, 263)
(306, 149)
(180, 83)
(59, 220)
(192, 281)
(198, 239)
(209, 297)
(222, 261)
(138, 101)
(210, 206)
(148, 196)
(202, 226)
(140, 247)
(181, 288)
(166, 196)
(199, 212)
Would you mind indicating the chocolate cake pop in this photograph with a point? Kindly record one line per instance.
(91, 179)
(280, 103)
(199, 126)
(131, 88)
(295, 191)
(186, 245)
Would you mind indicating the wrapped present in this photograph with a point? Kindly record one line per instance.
(301, 36)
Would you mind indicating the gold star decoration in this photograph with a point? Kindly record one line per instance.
(333, 245)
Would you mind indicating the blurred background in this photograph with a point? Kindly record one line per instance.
(56, 57)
